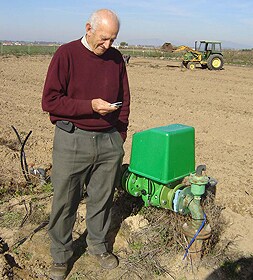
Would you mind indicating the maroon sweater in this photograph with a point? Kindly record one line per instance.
(75, 77)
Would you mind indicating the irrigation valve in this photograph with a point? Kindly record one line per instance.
(162, 172)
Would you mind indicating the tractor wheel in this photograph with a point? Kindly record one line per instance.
(215, 62)
(191, 65)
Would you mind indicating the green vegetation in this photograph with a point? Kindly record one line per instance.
(137, 246)
(11, 219)
(47, 188)
(240, 57)
(149, 53)
(27, 50)
(123, 44)
(233, 57)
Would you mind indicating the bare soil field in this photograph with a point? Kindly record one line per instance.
(218, 104)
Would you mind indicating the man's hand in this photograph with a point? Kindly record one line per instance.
(102, 107)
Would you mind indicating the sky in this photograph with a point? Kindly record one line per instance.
(142, 21)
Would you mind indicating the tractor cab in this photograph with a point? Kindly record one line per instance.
(214, 46)
(208, 48)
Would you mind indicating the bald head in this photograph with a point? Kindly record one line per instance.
(103, 16)
(101, 30)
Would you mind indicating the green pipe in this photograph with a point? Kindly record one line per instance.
(196, 211)
(167, 196)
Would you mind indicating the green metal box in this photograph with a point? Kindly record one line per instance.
(164, 154)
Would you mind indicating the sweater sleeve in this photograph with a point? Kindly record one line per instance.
(122, 123)
(55, 99)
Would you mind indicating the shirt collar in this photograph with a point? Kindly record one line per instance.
(85, 43)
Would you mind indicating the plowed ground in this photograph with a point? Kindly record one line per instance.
(218, 104)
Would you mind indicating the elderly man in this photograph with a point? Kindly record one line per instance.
(84, 80)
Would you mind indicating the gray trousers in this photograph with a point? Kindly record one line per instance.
(83, 158)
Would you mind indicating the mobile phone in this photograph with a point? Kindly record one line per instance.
(116, 104)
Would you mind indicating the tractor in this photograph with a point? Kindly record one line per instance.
(206, 53)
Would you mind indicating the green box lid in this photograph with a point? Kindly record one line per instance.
(164, 154)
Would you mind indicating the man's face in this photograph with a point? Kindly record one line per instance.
(101, 39)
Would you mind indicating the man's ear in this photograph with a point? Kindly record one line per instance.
(88, 28)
